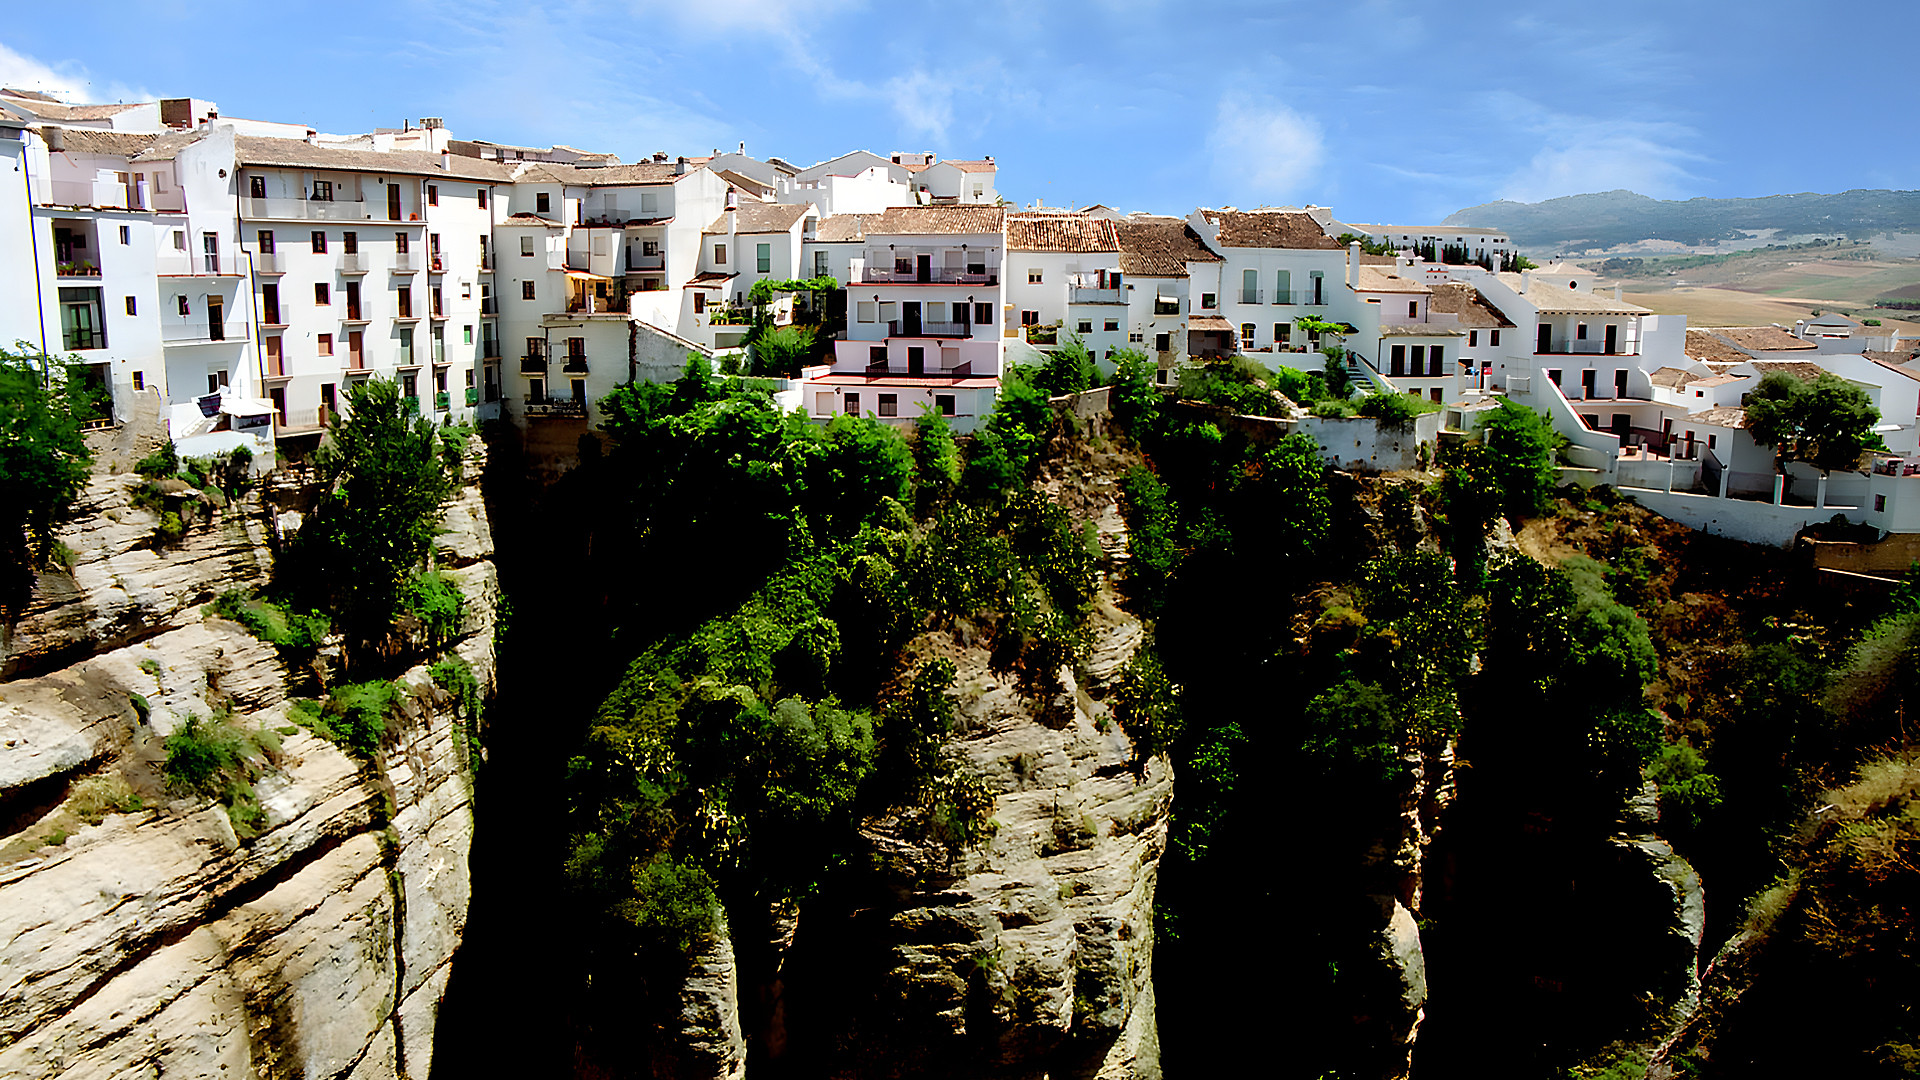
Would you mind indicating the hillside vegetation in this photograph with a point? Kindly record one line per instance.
(1614, 218)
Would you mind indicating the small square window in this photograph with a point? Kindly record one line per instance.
(542, 202)
(526, 290)
(133, 306)
(1110, 325)
(321, 293)
(853, 405)
(877, 356)
(433, 194)
(1712, 440)
(1879, 501)
(943, 402)
(1029, 318)
(1085, 326)
(1473, 338)
(526, 245)
(140, 383)
(720, 254)
(1493, 337)
(889, 405)
(1033, 277)
(319, 242)
(326, 344)
(185, 309)
(1209, 301)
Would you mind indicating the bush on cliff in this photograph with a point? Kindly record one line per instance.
(43, 464)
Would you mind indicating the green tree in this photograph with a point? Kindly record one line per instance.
(1521, 444)
(1069, 369)
(781, 350)
(1135, 399)
(1826, 422)
(43, 466)
(384, 479)
(936, 459)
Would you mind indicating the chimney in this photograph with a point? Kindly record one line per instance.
(1353, 265)
(446, 160)
(743, 147)
(680, 165)
(733, 199)
(56, 139)
(659, 157)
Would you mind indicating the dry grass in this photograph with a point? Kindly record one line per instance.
(1881, 784)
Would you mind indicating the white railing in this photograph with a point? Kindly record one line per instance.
(198, 331)
(1091, 294)
(305, 209)
(355, 262)
(406, 262)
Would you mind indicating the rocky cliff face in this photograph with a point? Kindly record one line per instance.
(140, 933)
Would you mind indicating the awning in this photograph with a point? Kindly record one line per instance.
(1209, 324)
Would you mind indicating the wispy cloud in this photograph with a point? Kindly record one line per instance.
(1265, 148)
(67, 80)
(923, 103)
(1585, 153)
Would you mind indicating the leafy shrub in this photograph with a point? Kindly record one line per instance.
(355, 716)
(455, 676)
(272, 622)
(95, 797)
(163, 463)
(673, 903)
(215, 759)
(1353, 736)
(1152, 546)
(436, 602)
(1395, 410)
(170, 531)
(1688, 793)
(1069, 369)
(936, 459)
(1147, 705)
(1333, 408)
(1134, 399)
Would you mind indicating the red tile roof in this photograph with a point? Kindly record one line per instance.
(1286, 229)
(1159, 247)
(931, 220)
(1069, 233)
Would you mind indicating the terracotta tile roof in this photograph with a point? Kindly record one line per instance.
(1727, 416)
(740, 181)
(28, 95)
(1798, 368)
(530, 219)
(1761, 338)
(944, 220)
(1895, 367)
(93, 141)
(1210, 324)
(1420, 330)
(1671, 378)
(1159, 247)
(1286, 229)
(1703, 346)
(644, 172)
(1378, 260)
(1716, 380)
(48, 109)
(758, 217)
(1375, 280)
(710, 279)
(841, 228)
(1462, 299)
(1070, 233)
(258, 151)
(971, 166)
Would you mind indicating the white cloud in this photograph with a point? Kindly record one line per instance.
(924, 103)
(1579, 154)
(66, 80)
(1265, 148)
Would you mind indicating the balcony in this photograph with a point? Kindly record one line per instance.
(489, 349)
(1297, 296)
(873, 275)
(406, 262)
(488, 307)
(105, 194)
(1588, 348)
(928, 328)
(637, 264)
(576, 365)
(355, 262)
(1249, 296)
(199, 332)
(269, 262)
(473, 396)
(1041, 335)
(436, 264)
(533, 365)
(557, 408)
(304, 210)
(300, 421)
(442, 400)
(81, 268)
(486, 264)
(1087, 294)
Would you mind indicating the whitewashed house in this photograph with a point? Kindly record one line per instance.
(1064, 280)
(1159, 257)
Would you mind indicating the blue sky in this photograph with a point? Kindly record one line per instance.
(1389, 111)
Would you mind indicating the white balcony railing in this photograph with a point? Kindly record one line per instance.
(406, 262)
(928, 328)
(1089, 294)
(306, 209)
(874, 275)
(355, 262)
(646, 262)
(200, 332)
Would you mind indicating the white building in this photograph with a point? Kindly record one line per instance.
(1064, 280)
(1160, 257)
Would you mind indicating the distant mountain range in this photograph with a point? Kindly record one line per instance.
(1612, 219)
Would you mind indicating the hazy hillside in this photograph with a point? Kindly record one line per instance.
(1615, 218)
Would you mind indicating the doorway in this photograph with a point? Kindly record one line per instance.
(393, 202)
(1619, 374)
(910, 317)
(916, 360)
(1544, 342)
(923, 268)
(1613, 340)
(1586, 383)
(216, 319)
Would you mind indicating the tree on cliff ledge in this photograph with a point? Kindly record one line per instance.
(1826, 422)
(43, 466)
(384, 478)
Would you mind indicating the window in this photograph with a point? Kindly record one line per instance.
(853, 405)
(264, 238)
(1413, 309)
(864, 310)
(649, 203)
(1397, 360)
(133, 307)
(1711, 440)
(542, 203)
(482, 195)
(1580, 332)
(466, 334)
(179, 240)
(406, 358)
(403, 297)
(257, 187)
(323, 191)
(1029, 318)
(1879, 501)
(719, 253)
(1435, 362)
(433, 194)
(943, 402)
(1033, 277)
(983, 313)
(1085, 326)
(319, 242)
(1473, 338)
(270, 304)
(140, 383)
(185, 309)
(126, 234)
(526, 245)
(526, 290)
(1282, 284)
(1209, 301)
(1553, 376)
(81, 319)
(1246, 333)
(438, 308)
(400, 242)
(889, 405)
(1110, 325)
(1137, 339)
(763, 258)
(700, 304)
(1493, 337)
(326, 344)
(877, 356)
